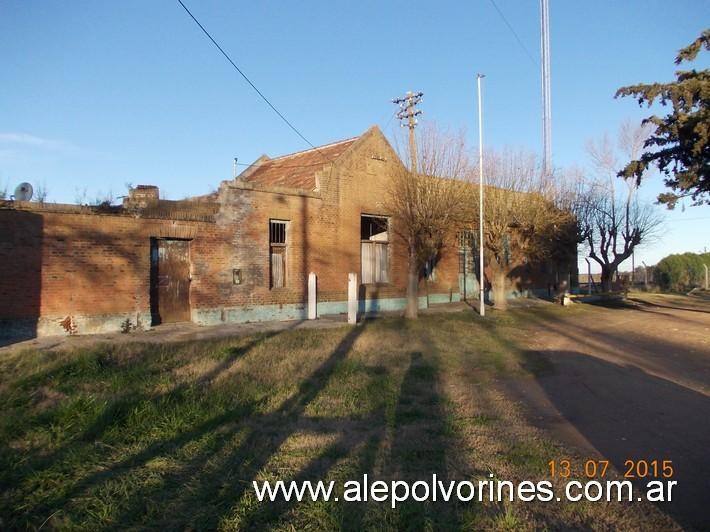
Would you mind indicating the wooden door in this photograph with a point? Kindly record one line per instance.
(170, 280)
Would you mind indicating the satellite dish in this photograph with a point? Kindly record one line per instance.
(23, 192)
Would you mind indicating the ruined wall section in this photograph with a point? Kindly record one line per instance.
(73, 269)
(361, 187)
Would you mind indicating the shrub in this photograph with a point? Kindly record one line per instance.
(681, 272)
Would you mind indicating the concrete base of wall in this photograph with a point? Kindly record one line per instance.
(77, 324)
(95, 324)
(111, 323)
(517, 294)
(468, 286)
(215, 316)
(299, 311)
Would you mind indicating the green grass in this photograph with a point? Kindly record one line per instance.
(137, 436)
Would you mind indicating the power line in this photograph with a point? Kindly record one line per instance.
(289, 124)
(517, 38)
(389, 121)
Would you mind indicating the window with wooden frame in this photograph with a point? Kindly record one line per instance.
(374, 249)
(277, 253)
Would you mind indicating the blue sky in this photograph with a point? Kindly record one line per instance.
(96, 94)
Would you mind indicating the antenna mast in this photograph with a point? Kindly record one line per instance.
(546, 97)
(408, 111)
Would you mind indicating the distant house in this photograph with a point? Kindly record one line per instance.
(241, 254)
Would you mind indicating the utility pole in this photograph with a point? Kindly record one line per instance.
(481, 280)
(546, 96)
(408, 111)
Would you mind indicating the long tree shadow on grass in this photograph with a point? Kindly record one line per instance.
(415, 444)
(411, 443)
(408, 439)
(424, 445)
(202, 477)
(202, 493)
(112, 418)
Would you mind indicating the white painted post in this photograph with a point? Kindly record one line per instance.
(352, 298)
(706, 276)
(312, 304)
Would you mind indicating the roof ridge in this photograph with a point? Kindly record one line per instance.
(329, 145)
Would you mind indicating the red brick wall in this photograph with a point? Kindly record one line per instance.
(323, 232)
(63, 261)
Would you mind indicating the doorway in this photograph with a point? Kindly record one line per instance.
(169, 280)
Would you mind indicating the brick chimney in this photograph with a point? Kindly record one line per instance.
(142, 196)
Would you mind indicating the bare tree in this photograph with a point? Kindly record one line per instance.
(81, 196)
(632, 137)
(41, 192)
(612, 222)
(526, 217)
(104, 199)
(612, 226)
(426, 203)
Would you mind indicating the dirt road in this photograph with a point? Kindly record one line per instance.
(628, 384)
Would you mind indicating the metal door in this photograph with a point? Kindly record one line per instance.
(170, 280)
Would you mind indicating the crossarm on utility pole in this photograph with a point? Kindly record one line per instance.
(408, 111)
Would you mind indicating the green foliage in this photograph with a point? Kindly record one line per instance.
(681, 272)
(680, 145)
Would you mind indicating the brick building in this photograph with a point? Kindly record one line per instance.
(241, 254)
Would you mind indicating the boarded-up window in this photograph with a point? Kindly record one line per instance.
(374, 249)
(277, 253)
